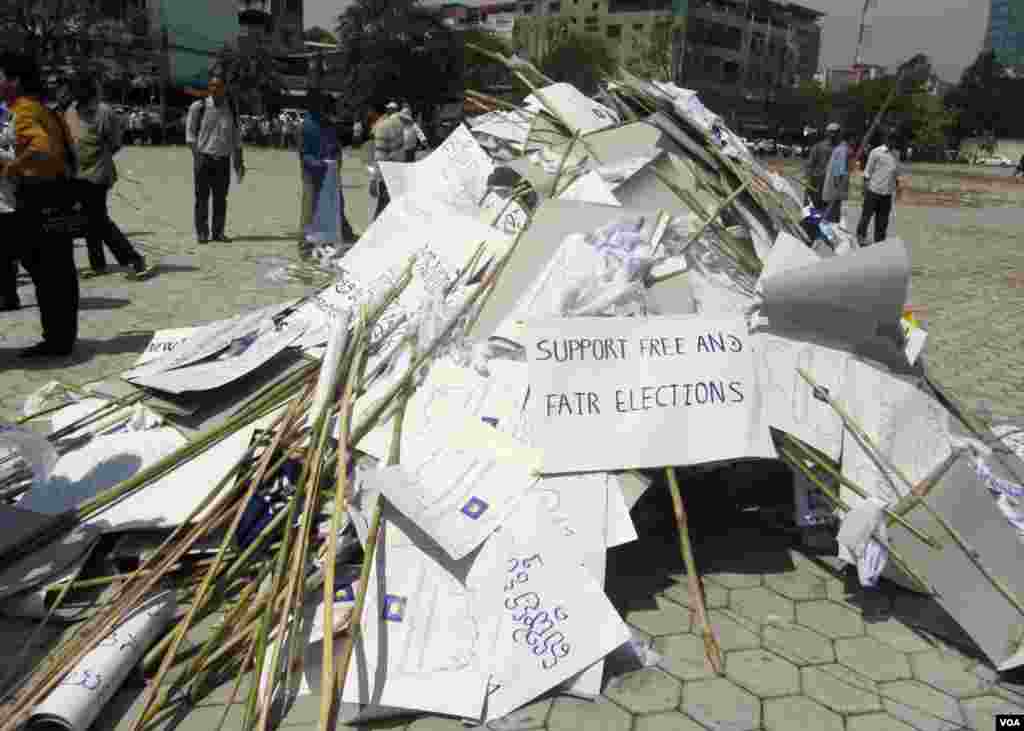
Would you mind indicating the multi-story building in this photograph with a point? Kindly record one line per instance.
(1005, 33)
(627, 25)
(750, 46)
(273, 25)
(494, 16)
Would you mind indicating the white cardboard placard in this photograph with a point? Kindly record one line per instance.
(612, 394)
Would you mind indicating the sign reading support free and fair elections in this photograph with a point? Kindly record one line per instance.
(612, 394)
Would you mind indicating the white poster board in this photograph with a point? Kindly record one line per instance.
(611, 394)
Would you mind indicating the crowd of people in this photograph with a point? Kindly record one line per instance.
(830, 165)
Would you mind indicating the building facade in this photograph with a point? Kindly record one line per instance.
(628, 26)
(274, 26)
(1005, 33)
(750, 46)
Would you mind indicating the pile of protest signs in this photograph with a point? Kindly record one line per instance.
(400, 491)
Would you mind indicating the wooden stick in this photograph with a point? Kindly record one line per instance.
(327, 681)
(355, 628)
(287, 419)
(711, 647)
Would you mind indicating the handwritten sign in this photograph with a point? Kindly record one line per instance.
(76, 702)
(610, 394)
(546, 617)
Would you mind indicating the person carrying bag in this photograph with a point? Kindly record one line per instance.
(49, 212)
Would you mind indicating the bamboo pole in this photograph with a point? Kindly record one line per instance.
(355, 628)
(327, 682)
(182, 628)
(711, 647)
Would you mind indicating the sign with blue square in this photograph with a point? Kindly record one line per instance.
(394, 608)
(474, 508)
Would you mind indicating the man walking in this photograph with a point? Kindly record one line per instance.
(213, 134)
(836, 187)
(96, 136)
(388, 146)
(881, 181)
(817, 162)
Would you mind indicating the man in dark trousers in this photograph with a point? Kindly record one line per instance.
(42, 162)
(96, 134)
(817, 163)
(211, 130)
(881, 181)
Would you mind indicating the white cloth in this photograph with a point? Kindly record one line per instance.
(858, 543)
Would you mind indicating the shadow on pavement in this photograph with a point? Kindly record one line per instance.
(162, 268)
(103, 303)
(257, 239)
(85, 350)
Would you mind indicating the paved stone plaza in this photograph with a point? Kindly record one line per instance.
(805, 648)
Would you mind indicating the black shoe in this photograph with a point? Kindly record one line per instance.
(222, 239)
(45, 350)
(10, 305)
(141, 270)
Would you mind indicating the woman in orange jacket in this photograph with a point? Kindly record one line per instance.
(40, 170)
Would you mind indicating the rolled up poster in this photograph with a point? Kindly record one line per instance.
(78, 700)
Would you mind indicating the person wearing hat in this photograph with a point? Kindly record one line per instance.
(817, 163)
(836, 188)
(412, 134)
(388, 146)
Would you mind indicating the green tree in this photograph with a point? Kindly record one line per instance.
(67, 35)
(316, 34)
(579, 60)
(396, 49)
(484, 74)
(656, 53)
(252, 75)
(980, 99)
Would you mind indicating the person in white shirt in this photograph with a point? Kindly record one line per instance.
(881, 181)
(212, 131)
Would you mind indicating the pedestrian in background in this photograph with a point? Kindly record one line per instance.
(42, 167)
(96, 136)
(388, 146)
(413, 136)
(881, 181)
(817, 163)
(212, 132)
(836, 187)
(9, 300)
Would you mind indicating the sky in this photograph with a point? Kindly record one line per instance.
(949, 31)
